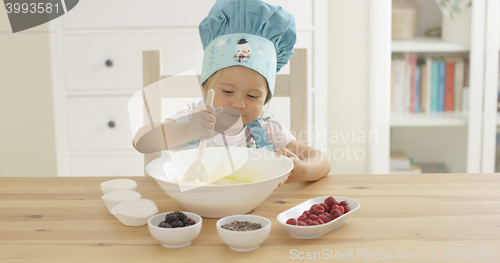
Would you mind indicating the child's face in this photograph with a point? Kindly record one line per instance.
(242, 89)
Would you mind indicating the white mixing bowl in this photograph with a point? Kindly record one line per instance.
(216, 201)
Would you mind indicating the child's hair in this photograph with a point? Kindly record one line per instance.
(212, 79)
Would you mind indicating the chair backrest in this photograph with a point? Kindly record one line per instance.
(292, 85)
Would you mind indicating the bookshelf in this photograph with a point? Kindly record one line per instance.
(438, 119)
(455, 138)
(427, 45)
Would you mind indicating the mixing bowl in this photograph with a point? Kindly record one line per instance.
(216, 201)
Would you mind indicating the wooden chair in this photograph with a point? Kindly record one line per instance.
(293, 85)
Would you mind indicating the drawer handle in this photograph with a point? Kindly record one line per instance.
(111, 124)
(109, 63)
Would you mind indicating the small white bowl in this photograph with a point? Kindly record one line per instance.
(309, 232)
(244, 240)
(175, 237)
(118, 184)
(113, 198)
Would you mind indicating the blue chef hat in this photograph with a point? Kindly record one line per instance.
(248, 33)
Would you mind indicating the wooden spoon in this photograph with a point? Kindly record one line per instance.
(197, 170)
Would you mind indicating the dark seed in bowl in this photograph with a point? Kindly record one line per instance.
(241, 226)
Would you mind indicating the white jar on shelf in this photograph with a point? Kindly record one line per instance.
(457, 29)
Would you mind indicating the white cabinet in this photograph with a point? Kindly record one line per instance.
(96, 61)
(458, 139)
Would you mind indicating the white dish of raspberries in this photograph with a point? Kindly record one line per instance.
(317, 216)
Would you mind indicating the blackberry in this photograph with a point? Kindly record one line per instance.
(188, 221)
(180, 215)
(176, 224)
(170, 218)
(164, 225)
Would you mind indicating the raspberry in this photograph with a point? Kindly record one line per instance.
(320, 221)
(341, 209)
(312, 217)
(343, 203)
(335, 213)
(324, 218)
(337, 203)
(314, 223)
(301, 223)
(302, 218)
(334, 207)
(318, 210)
(330, 201)
(325, 206)
(347, 209)
(311, 210)
(308, 222)
(291, 221)
(307, 213)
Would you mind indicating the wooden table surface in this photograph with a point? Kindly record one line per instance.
(423, 218)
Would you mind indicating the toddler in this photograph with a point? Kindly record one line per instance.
(246, 43)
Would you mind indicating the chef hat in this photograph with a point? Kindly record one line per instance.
(247, 33)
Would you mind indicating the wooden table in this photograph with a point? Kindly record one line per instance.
(414, 216)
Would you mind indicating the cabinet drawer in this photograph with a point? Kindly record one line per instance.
(107, 165)
(161, 13)
(136, 14)
(99, 124)
(86, 56)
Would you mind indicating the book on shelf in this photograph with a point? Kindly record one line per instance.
(414, 169)
(399, 160)
(442, 74)
(418, 86)
(449, 85)
(458, 83)
(423, 88)
(412, 84)
(429, 167)
(401, 163)
(435, 86)
(429, 84)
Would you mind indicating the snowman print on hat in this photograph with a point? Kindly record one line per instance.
(243, 50)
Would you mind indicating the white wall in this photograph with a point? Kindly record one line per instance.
(27, 146)
(348, 86)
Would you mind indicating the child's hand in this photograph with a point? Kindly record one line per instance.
(297, 165)
(203, 121)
